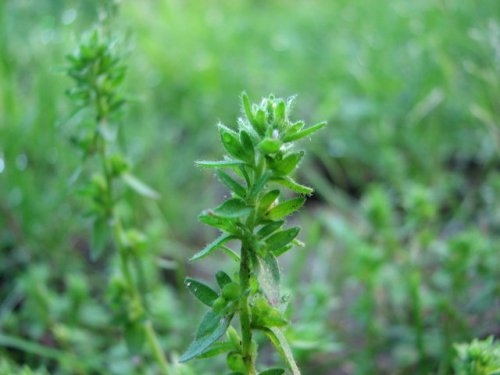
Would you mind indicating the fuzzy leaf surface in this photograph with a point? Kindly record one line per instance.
(211, 328)
(282, 238)
(278, 339)
(285, 208)
(233, 208)
(214, 245)
(231, 183)
(293, 185)
(201, 291)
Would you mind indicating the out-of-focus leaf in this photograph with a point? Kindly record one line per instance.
(138, 186)
(100, 236)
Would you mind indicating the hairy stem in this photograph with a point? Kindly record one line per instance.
(245, 317)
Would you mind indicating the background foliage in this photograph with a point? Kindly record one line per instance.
(403, 232)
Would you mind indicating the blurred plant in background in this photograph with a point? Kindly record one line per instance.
(403, 233)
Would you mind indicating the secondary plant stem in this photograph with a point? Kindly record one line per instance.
(117, 231)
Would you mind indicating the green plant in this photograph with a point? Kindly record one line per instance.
(479, 357)
(261, 156)
(98, 72)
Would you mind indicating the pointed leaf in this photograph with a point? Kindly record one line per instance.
(278, 339)
(247, 144)
(232, 184)
(287, 164)
(231, 143)
(285, 208)
(269, 278)
(100, 237)
(282, 238)
(222, 279)
(281, 250)
(217, 348)
(212, 246)
(139, 187)
(228, 163)
(210, 218)
(267, 229)
(268, 199)
(303, 133)
(233, 208)
(259, 185)
(201, 291)
(289, 183)
(247, 107)
(212, 328)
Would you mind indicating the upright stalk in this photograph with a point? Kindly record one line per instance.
(245, 314)
(260, 159)
(98, 72)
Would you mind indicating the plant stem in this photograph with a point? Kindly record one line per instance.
(245, 318)
(125, 265)
(154, 344)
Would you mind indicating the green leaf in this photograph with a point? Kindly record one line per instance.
(264, 315)
(278, 339)
(246, 142)
(233, 208)
(269, 145)
(231, 143)
(282, 238)
(267, 229)
(289, 183)
(100, 237)
(287, 164)
(258, 125)
(217, 348)
(285, 208)
(233, 185)
(228, 163)
(210, 218)
(280, 111)
(201, 291)
(269, 278)
(218, 242)
(222, 279)
(134, 337)
(273, 371)
(281, 250)
(211, 328)
(268, 199)
(139, 187)
(303, 133)
(259, 185)
(260, 120)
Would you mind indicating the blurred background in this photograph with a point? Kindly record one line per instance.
(402, 235)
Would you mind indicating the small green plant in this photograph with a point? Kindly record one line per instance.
(480, 357)
(98, 72)
(261, 157)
